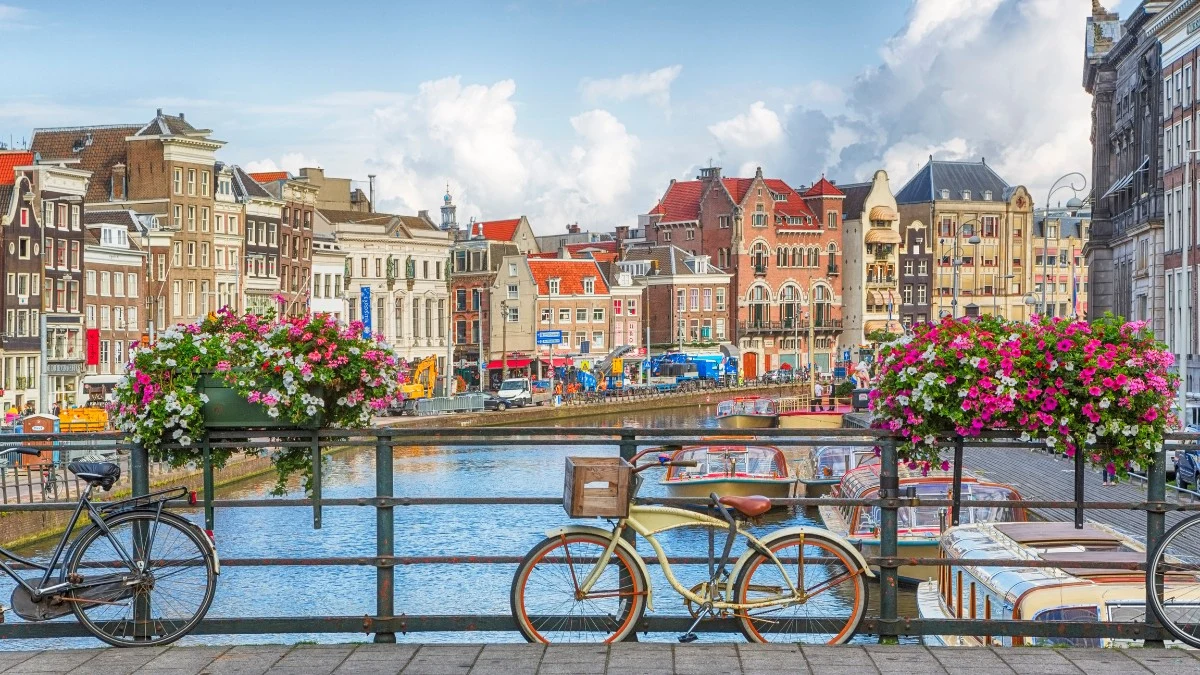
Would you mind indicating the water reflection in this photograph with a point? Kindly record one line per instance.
(477, 470)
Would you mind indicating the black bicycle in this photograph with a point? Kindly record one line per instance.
(138, 575)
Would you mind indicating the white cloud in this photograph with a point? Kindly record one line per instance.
(13, 18)
(652, 85)
(758, 127)
(606, 160)
(290, 162)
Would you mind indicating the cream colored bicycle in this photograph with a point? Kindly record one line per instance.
(588, 584)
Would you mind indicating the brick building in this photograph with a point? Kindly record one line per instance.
(782, 250)
(263, 215)
(689, 297)
(295, 236)
(113, 282)
(873, 295)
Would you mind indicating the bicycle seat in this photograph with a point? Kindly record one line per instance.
(104, 473)
(750, 507)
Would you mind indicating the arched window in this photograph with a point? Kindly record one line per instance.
(822, 305)
(796, 259)
(781, 257)
(760, 306)
(759, 254)
(814, 255)
(789, 305)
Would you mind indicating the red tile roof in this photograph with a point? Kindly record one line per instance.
(608, 246)
(497, 230)
(681, 202)
(544, 256)
(269, 176)
(737, 187)
(570, 274)
(10, 159)
(823, 188)
(794, 206)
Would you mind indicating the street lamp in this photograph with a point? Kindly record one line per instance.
(1073, 206)
(996, 295)
(956, 262)
(504, 340)
(1031, 303)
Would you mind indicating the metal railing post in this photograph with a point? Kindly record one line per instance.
(628, 448)
(956, 496)
(209, 517)
(889, 489)
(139, 474)
(1156, 494)
(385, 541)
(1079, 471)
(139, 470)
(316, 479)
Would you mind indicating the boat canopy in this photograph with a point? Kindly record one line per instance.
(752, 460)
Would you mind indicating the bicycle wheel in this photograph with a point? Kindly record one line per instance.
(1177, 602)
(545, 602)
(167, 598)
(833, 596)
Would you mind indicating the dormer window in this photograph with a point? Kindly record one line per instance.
(987, 195)
(945, 193)
(966, 195)
(778, 196)
(554, 286)
(589, 285)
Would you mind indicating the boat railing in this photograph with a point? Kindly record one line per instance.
(398, 592)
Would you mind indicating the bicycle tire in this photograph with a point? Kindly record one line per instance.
(839, 631)
(1158, 562)
(630, 604)
(108, 611)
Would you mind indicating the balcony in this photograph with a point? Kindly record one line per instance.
(760, 270)
(787, 327)
(887, 280)
(832, 270)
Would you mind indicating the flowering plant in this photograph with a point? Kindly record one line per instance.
(297, 368)
(1103, 387)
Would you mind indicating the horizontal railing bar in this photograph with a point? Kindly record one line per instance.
(655, 624)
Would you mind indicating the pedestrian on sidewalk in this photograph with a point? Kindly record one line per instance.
(1110, 474)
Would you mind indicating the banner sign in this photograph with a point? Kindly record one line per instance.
(93, 346)
(365, 309)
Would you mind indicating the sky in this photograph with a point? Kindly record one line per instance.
(571, 111)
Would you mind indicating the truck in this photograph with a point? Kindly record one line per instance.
(516, 392)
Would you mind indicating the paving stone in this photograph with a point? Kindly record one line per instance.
(1105, 662)
(10, 659)
(842, 657)
(57, 661)
(388, 653)
(695, 659)
(641, 659)
(968, 660)
(247, 660)
(567, 659)
(182, 659)
(518, 658)
(1165, 661)
(1043, 661)
(442, 659)
(311, 660)
(119, 661)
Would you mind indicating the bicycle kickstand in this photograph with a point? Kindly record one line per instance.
(690, 635)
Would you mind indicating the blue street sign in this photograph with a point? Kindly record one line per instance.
(549, 337)
(846, 355)
(364, 304)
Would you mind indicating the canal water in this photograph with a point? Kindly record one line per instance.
(529, 470)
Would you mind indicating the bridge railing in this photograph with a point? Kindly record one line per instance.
(390, 617)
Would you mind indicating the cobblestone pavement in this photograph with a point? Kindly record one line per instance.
(642, 658)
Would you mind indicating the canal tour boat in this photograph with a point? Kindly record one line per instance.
(823, 468)
(728, 470)
(802, 412)
(747, 412)
(1050, 594)
(919, 527)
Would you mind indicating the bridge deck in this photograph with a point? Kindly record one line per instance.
(576, 660)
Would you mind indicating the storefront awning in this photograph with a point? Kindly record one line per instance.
(512, 363)
(102, 379)
(559, 362)
(893, 327)
(882, 235)
(882, 213)
(1127, 179)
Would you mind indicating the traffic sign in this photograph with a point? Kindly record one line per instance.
(549, 337)
(618, 365)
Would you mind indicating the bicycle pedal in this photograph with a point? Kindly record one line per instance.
(3, 609)
(689, 637)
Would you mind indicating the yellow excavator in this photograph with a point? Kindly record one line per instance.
(420, 386)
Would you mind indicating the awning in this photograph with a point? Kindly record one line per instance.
(888, 326)
(1127, 180)
(559, 362)
(882, 213)
(102, 379)
(512, 363)
(882, 235)
(874, 298)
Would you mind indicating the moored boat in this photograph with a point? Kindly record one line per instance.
(804, 412)
(1050, 594)
(823, 468)
(919, 527)
(747, 412)
(730, 471)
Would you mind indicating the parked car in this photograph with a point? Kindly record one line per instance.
(1187, 469)
(780, 376)
(516, 392)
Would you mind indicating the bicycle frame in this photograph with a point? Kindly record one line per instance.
(95, 515)
(650, 520)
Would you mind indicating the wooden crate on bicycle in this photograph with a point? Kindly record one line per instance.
(597, 487)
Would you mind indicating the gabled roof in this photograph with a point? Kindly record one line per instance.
(592, 247)
(795, 205)
(244, 187)
(570, 274)
(116, 217)
(681, 202)
(927, 184)
(359, 217)
(10, 159)
(270, 176)
(170, 125)
(96, 148)
(496, 230)
(671, 259)
(417, 223)
(823, 188)
(6, 193)
(856, 199)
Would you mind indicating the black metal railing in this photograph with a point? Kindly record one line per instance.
(787, 326)
(389, 617)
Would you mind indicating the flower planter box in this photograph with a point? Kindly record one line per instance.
(226, 409)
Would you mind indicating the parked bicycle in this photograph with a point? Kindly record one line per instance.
(583, 583)
(1177, 558)
(137, 576)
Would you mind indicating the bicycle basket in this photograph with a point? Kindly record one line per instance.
(597, 487)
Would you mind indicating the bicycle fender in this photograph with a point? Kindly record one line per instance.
(621, 543)
(770, 539)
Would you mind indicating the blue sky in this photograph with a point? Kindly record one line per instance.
(571, 110)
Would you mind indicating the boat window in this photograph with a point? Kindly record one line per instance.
(867, 519)
(1062, 614)
(1183, 613)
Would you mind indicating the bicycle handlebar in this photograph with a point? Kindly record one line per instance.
(678, 462)
(23, 450)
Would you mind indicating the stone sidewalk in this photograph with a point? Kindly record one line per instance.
(645, 658)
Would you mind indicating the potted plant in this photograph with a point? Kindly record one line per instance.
(1103, 387)
(251, 371)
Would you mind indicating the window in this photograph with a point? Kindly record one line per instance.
(191, 297)
(690, 234)
(91, 316)
(923, 268)
(666, 236)
(966, 195)
(589, 285)
(233, 225)
(22, 284)
(512, 269)
(512, 291)
(118, 318)
(720, 329)
(177, 182)
(694, 299)
(597, 340)
(720, 299)
(105, 284)
(545, 315)
(204, 255)
(90, 282)
(204, 181)
(680, 300)
(176, 298)
(105, 318)
(47, 214)
(118, 284)
(708, 299)
(631, 307)
(723, 222)
(23, 248)
(617, 307)
(35, 284)
(191, 254)
(945, 193)
(514, 315)
(24, 220)
(191, 181)
(597, 315)
(946, 227)
(553, 285)
(831, 219)
(908, 267)
(191, 219)
(204, 219)
(922, 291)
(908, 294)
(564, 315)
(10, 286)
(161, 263)
(272, 232)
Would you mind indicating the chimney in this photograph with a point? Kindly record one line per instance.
(371, 203)
(158, 113)
(573, 228)
(621, 233)
(563, 253)
(117, 186)
(181, 116)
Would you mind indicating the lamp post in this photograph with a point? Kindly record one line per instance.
(1031, 303)
(504, 341)
(996, 295)
(1185, 325)
(956, 262)
(1073, 205)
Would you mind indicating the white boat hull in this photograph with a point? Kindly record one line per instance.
(701, 488)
